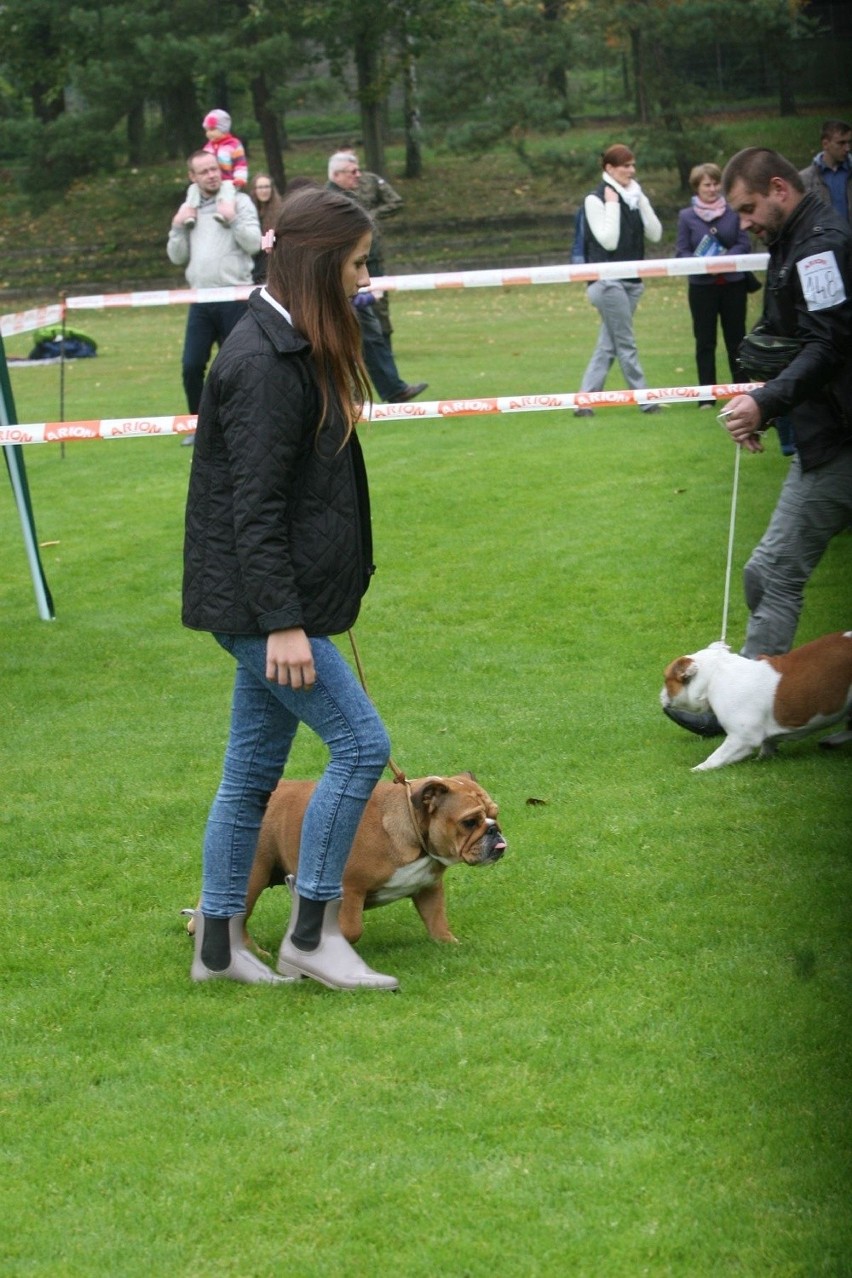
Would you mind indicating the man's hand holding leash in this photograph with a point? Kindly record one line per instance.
(741, 419)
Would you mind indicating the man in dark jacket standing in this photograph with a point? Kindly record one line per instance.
(809, 299)
(344, 175)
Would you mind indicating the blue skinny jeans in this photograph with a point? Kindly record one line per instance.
(264, 719)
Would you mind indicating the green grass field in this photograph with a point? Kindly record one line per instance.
(638, 1059)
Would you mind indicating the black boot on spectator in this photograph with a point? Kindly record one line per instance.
(408, 392)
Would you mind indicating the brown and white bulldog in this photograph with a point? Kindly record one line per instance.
(760, 702)
(399, 849)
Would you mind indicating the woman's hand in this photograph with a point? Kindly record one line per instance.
(289, 659)
(610, 195)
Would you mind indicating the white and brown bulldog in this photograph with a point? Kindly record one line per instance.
(758, 703)
(400, 849)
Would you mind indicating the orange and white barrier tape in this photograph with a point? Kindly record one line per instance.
(583, 273)
(26, 321)
(161, 297)
(580, 273)
(484, 405)
(139, 427)
(103, 428)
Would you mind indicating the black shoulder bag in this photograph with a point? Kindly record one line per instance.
(763, 355)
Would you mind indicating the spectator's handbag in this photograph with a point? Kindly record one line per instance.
(763, 355)
(752, 283)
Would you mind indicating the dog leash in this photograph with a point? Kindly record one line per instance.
(732, 525)
(399, 776)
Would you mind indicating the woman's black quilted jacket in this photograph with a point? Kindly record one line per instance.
(277, 516)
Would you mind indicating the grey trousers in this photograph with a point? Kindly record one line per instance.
(616, 300)
(813, 506)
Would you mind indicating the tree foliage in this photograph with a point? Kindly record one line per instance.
(84, 82)
(505, 71)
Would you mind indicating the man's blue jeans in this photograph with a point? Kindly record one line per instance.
(207, 325)
(264, 719)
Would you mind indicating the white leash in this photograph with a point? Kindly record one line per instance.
(737, 451)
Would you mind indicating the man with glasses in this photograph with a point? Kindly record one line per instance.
(215, 255)
(344, 175)
(379, 198)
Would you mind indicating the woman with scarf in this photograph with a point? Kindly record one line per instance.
(618, 216)
(710, 227)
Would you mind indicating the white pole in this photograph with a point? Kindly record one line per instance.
(14, 461)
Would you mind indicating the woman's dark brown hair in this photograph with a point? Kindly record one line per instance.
(316, 232)
(267, 210)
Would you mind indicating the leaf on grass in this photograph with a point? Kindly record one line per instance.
(536, 803)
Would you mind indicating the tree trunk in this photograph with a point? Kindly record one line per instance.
(48, 103)
(181, 118)
(413, 149)
(786, 91)
(552, 11)
(269, 130)
(670, 112)
(786, 96)
(136, 134)
(369, 101)
(639, 86)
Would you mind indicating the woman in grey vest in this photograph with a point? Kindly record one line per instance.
(618, 217)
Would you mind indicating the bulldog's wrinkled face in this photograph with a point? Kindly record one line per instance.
(460, 820)
(678, 689)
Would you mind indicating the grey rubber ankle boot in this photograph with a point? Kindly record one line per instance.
(838, 739)
(332, 962)
(221, 955)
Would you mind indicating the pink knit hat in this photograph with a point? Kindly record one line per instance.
(217, 120)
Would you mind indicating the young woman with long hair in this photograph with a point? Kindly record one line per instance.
(266, 199)
(278, 555)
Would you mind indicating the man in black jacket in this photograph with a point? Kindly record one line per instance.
(809, 299)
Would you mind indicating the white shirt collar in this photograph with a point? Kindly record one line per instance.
(267, 297)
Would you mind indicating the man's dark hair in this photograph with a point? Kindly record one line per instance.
(831, 127)
(756, 166)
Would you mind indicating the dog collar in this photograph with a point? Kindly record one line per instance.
(402, 779)
(442, 859)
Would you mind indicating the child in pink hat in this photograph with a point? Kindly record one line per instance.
(231, 156)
